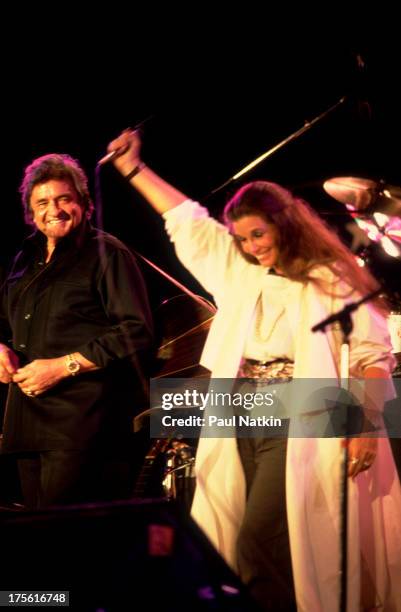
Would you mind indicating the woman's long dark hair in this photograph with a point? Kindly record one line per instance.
(304, 239)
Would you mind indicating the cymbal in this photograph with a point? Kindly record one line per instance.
(365, 195)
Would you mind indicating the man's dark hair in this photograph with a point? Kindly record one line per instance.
(59, 167)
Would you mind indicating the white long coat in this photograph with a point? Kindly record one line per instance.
(313, 464)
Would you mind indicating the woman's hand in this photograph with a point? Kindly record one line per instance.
(361, 455)
(161, 195)
(362, 451)
(128, 145)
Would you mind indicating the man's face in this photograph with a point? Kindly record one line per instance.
(55, 208)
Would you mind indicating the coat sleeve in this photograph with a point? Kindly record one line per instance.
(203, 245)
(123, 294)
(370, 342)
(5, 330)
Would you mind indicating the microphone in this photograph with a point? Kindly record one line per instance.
(121, 150)
(112, 155)
(337, 316)
(343, 316)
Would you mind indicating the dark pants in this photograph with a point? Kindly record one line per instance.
(263, 549)
(66, 477)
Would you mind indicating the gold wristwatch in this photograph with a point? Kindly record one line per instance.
(73, 366)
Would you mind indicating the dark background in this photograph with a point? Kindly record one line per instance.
(215, 99)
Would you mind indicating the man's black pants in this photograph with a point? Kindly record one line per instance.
(59, 477)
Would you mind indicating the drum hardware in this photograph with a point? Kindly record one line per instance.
(383, 230)
(179, 472)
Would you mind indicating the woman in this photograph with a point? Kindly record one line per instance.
(262, 330)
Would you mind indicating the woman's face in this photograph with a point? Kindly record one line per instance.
(258, 238)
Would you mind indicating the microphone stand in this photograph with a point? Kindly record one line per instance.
(258, 160)
(344, 318)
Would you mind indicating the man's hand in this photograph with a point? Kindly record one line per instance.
(40, 375)
(9, 364)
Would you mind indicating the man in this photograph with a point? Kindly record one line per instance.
(76, 310)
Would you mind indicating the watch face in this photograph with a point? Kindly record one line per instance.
(73, 366)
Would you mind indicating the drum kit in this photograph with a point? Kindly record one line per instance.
(375, 206)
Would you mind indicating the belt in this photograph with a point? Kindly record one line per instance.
(277, 370)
